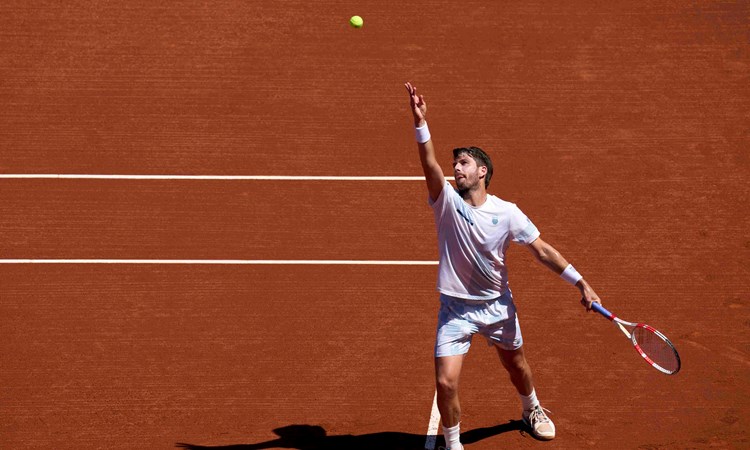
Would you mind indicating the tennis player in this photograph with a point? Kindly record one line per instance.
(474, 231)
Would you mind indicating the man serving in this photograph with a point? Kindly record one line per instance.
(474, 231)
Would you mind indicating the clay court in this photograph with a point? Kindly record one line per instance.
(621, 131)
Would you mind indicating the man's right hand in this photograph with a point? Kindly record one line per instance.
(588, 296)
(433, 173)
(418, 106)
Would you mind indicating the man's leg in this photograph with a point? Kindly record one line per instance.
(452, 342)
(515, 363)
(447, 374)
(534, 416)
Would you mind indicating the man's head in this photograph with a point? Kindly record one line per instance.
(471, 165)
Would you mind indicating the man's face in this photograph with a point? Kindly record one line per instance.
(467, 172)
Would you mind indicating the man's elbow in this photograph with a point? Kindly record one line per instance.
(547, 254)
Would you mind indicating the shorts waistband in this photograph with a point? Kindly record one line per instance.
(507, 294)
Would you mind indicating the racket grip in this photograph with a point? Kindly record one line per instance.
(601, 310)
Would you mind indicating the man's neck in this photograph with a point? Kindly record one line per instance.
(475, 197)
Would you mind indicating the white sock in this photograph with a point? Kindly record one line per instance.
(452, 435)
(529, 401)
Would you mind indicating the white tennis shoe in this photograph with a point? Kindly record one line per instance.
(541, 426)
(448, 448)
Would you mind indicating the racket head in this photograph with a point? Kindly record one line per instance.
(656, 349)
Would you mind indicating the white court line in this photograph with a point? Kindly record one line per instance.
(72, 176)
(432, 428)
(340, 262)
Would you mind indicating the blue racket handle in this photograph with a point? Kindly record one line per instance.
(601, 310)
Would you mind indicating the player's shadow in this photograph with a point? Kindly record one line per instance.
(313, 437)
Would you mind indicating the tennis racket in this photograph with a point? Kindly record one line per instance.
(651, 344)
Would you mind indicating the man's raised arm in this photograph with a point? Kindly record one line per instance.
(432, 172)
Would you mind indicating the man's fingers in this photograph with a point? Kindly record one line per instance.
(590, 303)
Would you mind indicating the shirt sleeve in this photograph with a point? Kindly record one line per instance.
(522, 230)
(439, 205)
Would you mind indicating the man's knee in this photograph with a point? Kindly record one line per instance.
(514, 361)
(518, 368)
(447, 373)
(447, 386)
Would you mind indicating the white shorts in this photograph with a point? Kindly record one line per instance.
(460, 319)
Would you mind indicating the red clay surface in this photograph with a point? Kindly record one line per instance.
(620, 130)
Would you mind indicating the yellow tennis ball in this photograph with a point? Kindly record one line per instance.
(356, 22)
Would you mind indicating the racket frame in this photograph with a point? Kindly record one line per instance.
(627, 329)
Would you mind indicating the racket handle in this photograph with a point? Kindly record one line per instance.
(601, 310)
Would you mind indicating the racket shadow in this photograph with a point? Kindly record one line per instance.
(314, 437)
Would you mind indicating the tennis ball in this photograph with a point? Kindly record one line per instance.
(356, 22)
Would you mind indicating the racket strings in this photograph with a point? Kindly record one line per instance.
(657, 348)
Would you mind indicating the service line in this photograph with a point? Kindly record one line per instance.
(340, 262)
(72, 176)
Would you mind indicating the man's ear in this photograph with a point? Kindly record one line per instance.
(482, 171)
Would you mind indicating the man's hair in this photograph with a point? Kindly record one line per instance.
(481, 158)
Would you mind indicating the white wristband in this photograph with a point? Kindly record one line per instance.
(423, 134)
(571, 275)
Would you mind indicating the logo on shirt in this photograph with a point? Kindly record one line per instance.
(494, 220)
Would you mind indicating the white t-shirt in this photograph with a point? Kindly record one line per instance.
(472, 242)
